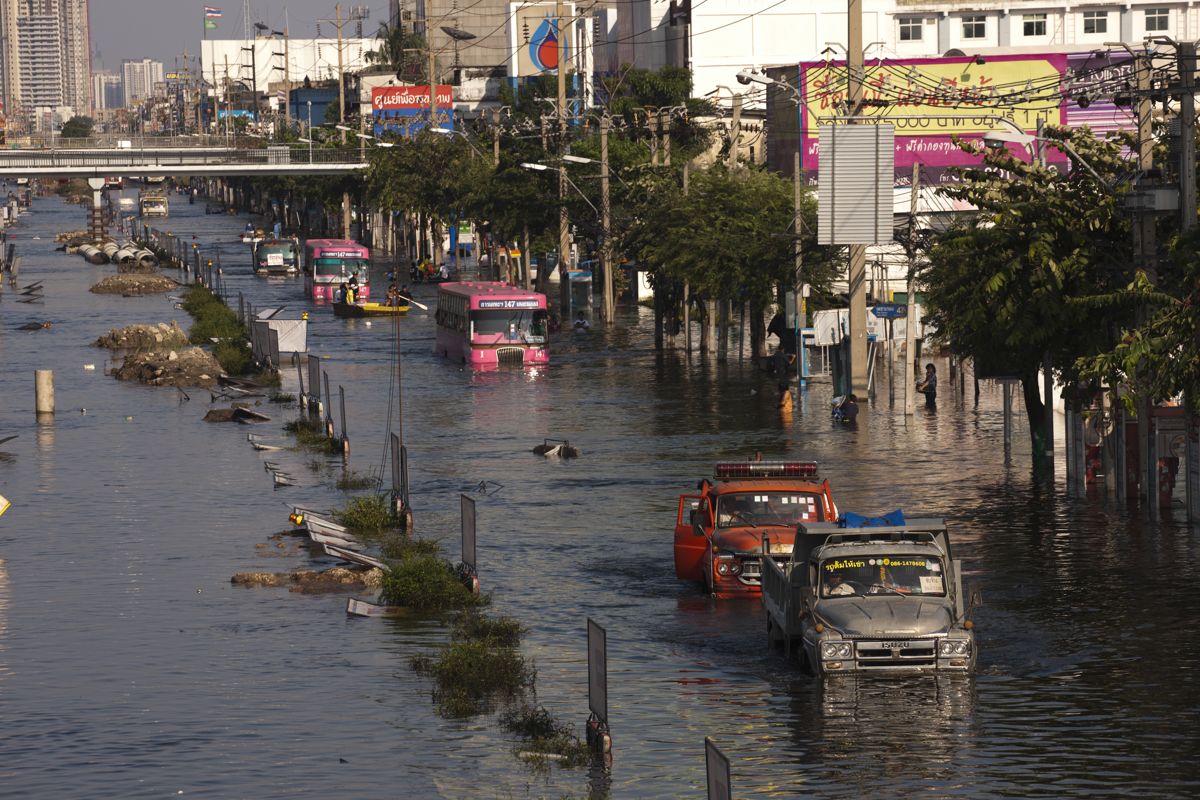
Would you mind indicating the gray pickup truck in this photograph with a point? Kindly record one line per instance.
(862, 600)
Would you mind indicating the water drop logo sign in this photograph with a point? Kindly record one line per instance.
(544, 49)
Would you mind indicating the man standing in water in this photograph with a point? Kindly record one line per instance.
(929, 386)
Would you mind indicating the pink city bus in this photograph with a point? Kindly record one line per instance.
(330, 262)
(486, 324)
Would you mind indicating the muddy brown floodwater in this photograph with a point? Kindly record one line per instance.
(130, 667)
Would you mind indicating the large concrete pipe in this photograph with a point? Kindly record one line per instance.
(147, 258)
(110, 248)
(93, 254)
(125, 256)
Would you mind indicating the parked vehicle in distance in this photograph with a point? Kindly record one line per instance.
(879, 599)
(114, 182)
(277, 257)
(490, 323)
(152, 203)
(719, 532)
(330, 262)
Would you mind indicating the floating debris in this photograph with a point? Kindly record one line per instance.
(556, 448)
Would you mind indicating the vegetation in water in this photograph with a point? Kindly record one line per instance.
(479, 667)
(429, 583)
(215, 320)
(540, 734)
(311, 436)
(283, 398)
(371, 514)
(350, 481)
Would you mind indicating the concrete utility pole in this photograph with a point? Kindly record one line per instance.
(1187, 216)
(1047, 367)
(858, 252)
(1144, 252)
(605, 224)
(564, 223)
(797, 264)
(495, 137)
(735, 129)
(287, 80)
(910, 322)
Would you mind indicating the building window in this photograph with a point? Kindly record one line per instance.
(974, 26)
(1034, 24)
(1095, 22)
(910, 29)
(1157, 19)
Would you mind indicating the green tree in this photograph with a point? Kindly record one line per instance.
(1015, 284)
(77, 128)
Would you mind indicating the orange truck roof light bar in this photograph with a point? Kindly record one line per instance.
(765, 469)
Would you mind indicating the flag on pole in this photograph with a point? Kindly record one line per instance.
(211, 12)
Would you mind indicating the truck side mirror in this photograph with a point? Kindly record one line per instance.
(976, 600)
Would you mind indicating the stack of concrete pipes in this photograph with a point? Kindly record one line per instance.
(118, 254)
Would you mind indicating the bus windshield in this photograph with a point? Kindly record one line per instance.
(340, 266)
(517, 324)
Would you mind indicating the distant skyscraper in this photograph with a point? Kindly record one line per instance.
(107, 91)
(139, 78)
(44, 56)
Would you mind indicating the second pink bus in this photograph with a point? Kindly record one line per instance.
(328, 263)
(488, 324)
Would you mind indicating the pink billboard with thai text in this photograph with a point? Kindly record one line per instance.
(931, 101)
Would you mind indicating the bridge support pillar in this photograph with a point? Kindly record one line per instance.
(96, 213)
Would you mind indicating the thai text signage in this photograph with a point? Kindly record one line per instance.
(405, 109)
(930, 101)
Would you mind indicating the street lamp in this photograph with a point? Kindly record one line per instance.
(309, 104)
(452, 132)
(535, 167)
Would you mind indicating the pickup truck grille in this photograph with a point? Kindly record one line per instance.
(879, 655)
(752, 569)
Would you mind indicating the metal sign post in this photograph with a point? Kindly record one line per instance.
(345, 436)
(598, 737)
(716, 765)
(470, 572)
(327, 406)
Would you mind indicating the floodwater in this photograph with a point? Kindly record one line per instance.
(131, 668)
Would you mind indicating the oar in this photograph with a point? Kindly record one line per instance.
(421, 306)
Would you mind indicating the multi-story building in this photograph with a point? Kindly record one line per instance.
(107, 91)
(717, 38)
(139, 78)
(44, 56)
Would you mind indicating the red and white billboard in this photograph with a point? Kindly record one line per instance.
(409, 98)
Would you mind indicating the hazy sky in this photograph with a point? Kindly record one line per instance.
(161, 29)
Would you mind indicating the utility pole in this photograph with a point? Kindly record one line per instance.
(564, 223)
(910, 321)
(1144, 252)
(664, 130)
(287, 78)
(735, 129)
(341, 83)
(1047, 366)
(797, 271)
(687, 287)
(858, 252)
(1187, 216)
(495, 137)
(432, 83)
(605, 225)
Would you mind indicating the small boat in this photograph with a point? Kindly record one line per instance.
(367, 310)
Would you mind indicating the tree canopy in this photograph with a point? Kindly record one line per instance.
(77, 128)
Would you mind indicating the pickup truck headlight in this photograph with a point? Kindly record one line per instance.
(954, 647)
(727, 565)
(831, 650)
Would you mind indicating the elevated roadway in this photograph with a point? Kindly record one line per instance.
(168, 157)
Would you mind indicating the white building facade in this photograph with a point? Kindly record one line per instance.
(725, 36)
(262, 62)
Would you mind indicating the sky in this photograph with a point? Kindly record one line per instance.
(161, 29)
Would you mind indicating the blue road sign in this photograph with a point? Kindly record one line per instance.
(890, 310)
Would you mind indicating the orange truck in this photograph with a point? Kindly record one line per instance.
(719, 532)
